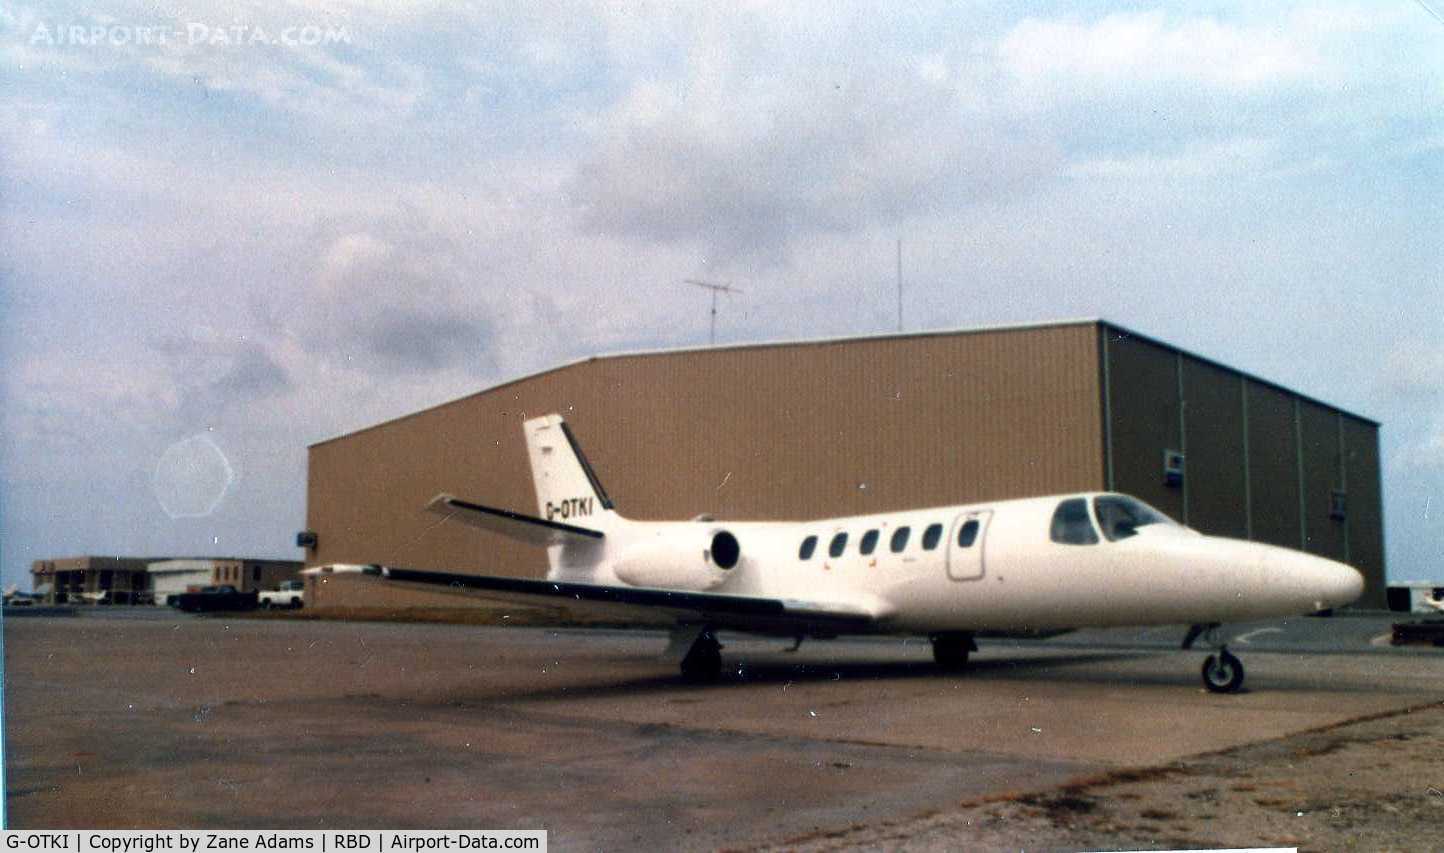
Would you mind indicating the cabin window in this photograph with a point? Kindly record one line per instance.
(1071, 524)
(931, 536)
(968, 534)
(868, 543)
(839, 544)
(808, 546)
(900, 539)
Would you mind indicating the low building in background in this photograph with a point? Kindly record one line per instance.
(91, 580)
(148, 580)
(173, 577)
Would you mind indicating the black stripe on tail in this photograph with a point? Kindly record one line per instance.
(586, 467)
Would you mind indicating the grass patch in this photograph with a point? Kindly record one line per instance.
(1062, 807)
(1127, 776)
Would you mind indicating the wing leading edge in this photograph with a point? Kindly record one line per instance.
(526, 528)
(736, 612)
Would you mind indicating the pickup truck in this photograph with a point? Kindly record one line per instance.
(291, 594)
(210, 598)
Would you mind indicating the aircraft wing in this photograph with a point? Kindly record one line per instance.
(535, 531)
(776, 616)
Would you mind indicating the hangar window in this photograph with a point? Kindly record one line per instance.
(1071, 524)
(1120, 516)
(1173, 462)
(839, 544)
(968, 533)
(931, 536)
(1338, 505)
(868, 543)
(900, 539)
(808, 546)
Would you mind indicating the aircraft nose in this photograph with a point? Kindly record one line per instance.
(1314, 583)
(1335, 584)
(1345, 584)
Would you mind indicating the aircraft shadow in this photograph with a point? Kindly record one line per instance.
(743, 671)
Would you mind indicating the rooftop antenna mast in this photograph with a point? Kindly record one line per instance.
(716, 289)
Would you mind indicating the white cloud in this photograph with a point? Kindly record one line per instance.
(1136, 49)
(742, 155)
(1414, 369)
(1430, 451)
(311, 82)
(68, 411)
(1198, 159)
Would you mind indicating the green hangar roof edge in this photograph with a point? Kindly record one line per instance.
(882, 336)
(1268, 383)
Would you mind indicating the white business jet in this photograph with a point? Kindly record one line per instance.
(1032, 565)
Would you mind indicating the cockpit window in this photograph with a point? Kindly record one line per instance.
(1071, 524)
(1121, 516)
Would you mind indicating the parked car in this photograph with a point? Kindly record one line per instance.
(212, 598)
(292, 594)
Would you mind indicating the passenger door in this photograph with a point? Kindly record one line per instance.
(966, 539)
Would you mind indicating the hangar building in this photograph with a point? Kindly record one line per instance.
(142, 580)
(861, 425)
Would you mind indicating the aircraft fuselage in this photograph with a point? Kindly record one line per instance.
(994, 566)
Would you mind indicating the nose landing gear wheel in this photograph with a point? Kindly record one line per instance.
(1222, 673)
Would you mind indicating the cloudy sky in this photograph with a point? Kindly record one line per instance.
(229, 231)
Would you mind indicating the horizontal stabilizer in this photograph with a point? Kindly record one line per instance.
(524, 528)
(737, 612)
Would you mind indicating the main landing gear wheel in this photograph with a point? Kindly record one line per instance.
(704, 659)
(950, 651)
(1222, 673)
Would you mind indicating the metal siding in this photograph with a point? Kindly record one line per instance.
(790, 431)
(1280, 455)
(1143, 378)
(1215, 467)
(1322, 474)
(1273, 466)
(1366, 509)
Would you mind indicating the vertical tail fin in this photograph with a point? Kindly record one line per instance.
(567, 490)
(566, 486)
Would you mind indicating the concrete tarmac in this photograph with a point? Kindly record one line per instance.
(170, 721)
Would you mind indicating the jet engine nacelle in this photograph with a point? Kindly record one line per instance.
(699, 567)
